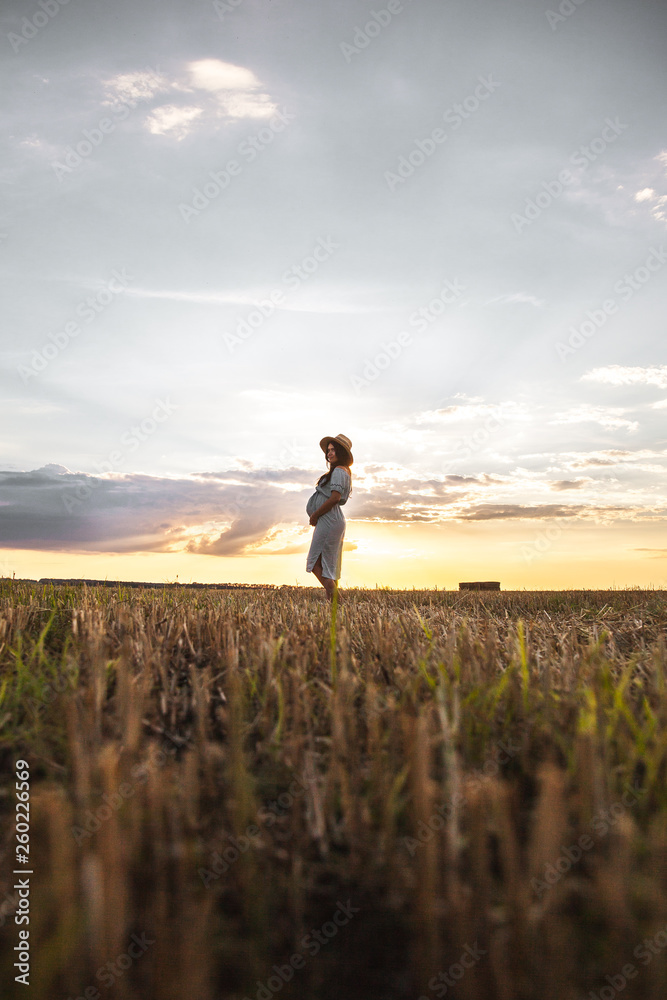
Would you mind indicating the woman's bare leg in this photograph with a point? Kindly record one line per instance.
(326, 581)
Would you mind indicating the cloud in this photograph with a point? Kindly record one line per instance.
(622, 195)
(229, 513)
(494, 511)
(406, 502)
(594, 461)
(172, 120)
(629, 375)
(247, 297)
(140, 85)
(518, 298)
(15, 406)
(254, 511)
(609, 457)
(52, 508)
(205, 94)
(30, 142)
(248, 106)
(243, 533)
(241, 511)
(648, 195)
(197, 297)
(488, 512)
(468, 411)
(568, 484)
(236, 88)
(655, 553)
(214, 75)
(34, 146)
(479, 480)
(606, 416)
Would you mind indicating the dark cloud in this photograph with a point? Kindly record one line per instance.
(248, 529)
(567, 484)
(545, 511)
(233, 512)
(601, 462)
(462, 479)
(510, 511)
(407, 500)
(611, 456)
(48, 509)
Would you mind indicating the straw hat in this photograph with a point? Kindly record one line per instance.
(339, 439)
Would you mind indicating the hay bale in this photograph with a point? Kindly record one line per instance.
(480, 585)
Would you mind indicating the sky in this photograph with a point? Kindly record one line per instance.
(229, 229)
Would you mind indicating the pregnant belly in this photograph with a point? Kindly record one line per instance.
(313, 504)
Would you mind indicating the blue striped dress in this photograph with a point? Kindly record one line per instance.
(329, 531)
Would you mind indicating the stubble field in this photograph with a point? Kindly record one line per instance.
(233, 794)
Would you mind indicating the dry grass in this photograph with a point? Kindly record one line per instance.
(448, 747)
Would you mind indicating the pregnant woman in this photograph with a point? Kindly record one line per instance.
(324, 510)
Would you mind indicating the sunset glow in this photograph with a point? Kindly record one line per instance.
(444, 239)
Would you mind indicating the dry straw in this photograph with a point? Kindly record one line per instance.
(162, 725)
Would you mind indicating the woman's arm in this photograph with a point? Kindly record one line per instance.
(326, 506)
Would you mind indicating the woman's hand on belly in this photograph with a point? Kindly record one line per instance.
(326, 506)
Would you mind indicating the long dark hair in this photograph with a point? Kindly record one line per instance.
(341, 458)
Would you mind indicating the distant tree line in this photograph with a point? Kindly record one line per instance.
(161, 586)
